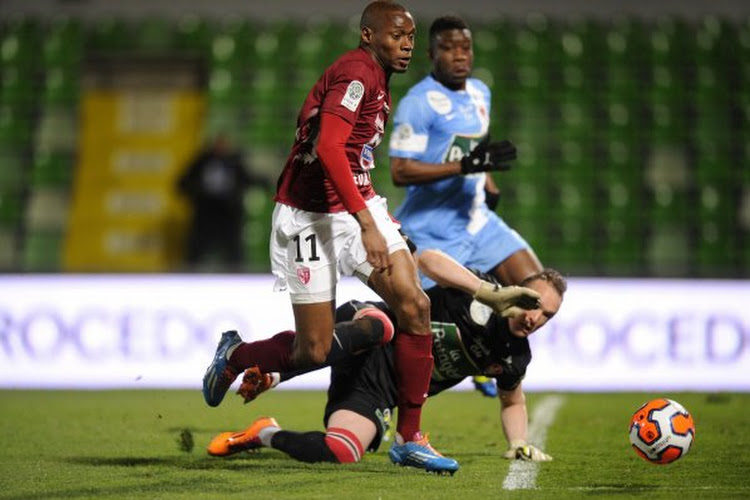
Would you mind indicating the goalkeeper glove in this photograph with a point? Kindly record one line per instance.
(488, 156)
(509, 301)
(521, 450)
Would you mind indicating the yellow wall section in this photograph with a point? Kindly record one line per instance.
(126, 214)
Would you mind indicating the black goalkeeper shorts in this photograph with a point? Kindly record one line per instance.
(366, 385)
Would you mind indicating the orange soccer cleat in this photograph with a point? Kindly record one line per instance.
(229, 443)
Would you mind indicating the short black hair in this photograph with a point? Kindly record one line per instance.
(446, 23)
(374, 11)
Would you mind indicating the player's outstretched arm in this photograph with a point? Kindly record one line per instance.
(408, 171)
(447, 272)
(514, 418)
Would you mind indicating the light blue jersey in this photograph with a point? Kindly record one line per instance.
(435, 124)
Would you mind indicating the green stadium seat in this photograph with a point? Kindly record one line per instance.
(622, 222)
(268, 48)
(57, 130)
(530, 127)
(19, 45)
(259, 208)
(47, 209)
(270, 119)
(154, 35)
(111, 34)
(42, 251)
(592, 33)
(623, 84)
(716, 223)
(581, 60)
(666, 87)
(15, 128)
(668, 252)
(52, 169)
(716, 40)
(525, 206)
(668, 124)
(18, 89)
(621, 252)
(224, 118)
(623, 126)
(61, 87)
(9, 249)
(627, 39)
(12, 170)
(11, 208)
(63, 43)
(622, 162)
(193, 33)
(669, 208)
(574, 162)
(308, 49)
(571, 243)
(577, 121)
(224, 89)
(713, 163)
(227, 53)
(671, 43)
(535, 40)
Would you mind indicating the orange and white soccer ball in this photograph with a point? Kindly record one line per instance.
(661, 431)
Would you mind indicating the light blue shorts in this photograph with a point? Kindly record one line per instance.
(494, 243)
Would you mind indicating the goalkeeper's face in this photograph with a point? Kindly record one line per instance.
(530, 321)
(452, 57)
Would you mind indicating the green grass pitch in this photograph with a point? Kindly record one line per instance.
(133, 444)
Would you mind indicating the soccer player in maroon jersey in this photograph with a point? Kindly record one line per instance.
(328, 220)
(473, 333)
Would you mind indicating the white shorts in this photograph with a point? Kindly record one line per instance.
(310, 250)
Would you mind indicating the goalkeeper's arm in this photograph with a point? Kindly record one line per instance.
(515, 424)
(447, 272)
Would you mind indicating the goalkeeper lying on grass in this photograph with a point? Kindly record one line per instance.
(478, 328)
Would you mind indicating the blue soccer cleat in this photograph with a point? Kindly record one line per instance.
(485, 385)
(219, 375)
(421, 455)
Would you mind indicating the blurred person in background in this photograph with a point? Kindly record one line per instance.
(470, 338)
(214, 182)
(329, 220)
(440, 149)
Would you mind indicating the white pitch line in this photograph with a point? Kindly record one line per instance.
(522, 474)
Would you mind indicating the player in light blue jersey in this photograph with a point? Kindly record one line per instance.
(440, 150)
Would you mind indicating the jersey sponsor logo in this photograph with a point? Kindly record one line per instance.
(353, 95)
(451, 358)
(303, 274)
(440, 102)
(460, 147)
(362, 179)
(366, 157)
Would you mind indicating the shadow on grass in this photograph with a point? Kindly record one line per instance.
(270, 462)
(615, 489)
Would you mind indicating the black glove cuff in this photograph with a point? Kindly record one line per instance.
(491, 199)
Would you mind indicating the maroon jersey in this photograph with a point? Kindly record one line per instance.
(354, 88)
